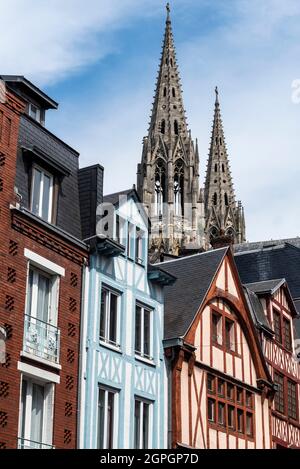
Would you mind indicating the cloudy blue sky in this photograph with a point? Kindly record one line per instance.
(99, 59)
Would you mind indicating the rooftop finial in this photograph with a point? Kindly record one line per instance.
(168, 8)
(217, 95)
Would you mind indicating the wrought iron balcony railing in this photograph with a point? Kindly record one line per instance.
(41, 339)
(29, 444)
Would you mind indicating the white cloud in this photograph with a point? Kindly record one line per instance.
(48, 39)
(252, 54)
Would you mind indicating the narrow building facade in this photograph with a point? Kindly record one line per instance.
(123, 377)
(41, 261)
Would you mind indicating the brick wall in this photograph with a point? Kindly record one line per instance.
(17, 232)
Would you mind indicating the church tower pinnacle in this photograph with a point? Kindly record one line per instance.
(224, 217)
(168, 175)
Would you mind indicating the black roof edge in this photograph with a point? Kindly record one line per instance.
(38, 153)
(49, 102)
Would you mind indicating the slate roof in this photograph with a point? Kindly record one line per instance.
(266, 244)
(256, 309)
(281, 261)
(266, 286)
(183, 299)
(114, 198)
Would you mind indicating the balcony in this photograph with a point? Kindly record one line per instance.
(29, 444)
(41, 339)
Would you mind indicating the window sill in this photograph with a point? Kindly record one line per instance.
(148, 361)
(43, 361)
(115, 348)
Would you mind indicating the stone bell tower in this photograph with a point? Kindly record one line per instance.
(168, 175)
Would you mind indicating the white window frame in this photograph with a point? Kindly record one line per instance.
(141, 353)
(54, 294)
(139, 246)
(106, 340)
(121, 239)
(48, 421)
(38, 117)
(143, 402)
(35, 167)
(116, 394)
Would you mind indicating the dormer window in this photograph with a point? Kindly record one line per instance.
(42, 193)
(35, 112)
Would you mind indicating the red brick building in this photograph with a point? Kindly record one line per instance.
(40, 274)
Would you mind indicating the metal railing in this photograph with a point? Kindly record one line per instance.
(30, 444)
(41, 339)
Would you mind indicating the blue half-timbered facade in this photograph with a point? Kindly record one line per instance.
(123, 397)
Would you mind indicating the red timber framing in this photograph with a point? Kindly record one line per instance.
(234, 412)
(285, 369)
(20, 233)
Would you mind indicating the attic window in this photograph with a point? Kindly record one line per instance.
(34, 112)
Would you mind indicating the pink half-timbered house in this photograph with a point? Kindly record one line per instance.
(220, 386)
(275, 325)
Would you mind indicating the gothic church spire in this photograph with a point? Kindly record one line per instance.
(224, 216)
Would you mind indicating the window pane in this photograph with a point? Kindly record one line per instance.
(211, 384)
(216, 329)
(249, 401)
(277, 326)
(29, 293)
(239, 395)
(279, 395)
(230, 391)
(211, 410)
(37, 413)
(113, 318)
(23, 407)
(37, 177)
(287, 334)
(145, 425)
(43, 300)
(104, 295)
(101, 404)
(137, 423)
(221, 413)
(138, 330)
(292, 400)
(229, 331)
(221, 387)
(249, 424)
(147, 332)
(46, 198)
(240, 420)
(110, 420)
(231, 417)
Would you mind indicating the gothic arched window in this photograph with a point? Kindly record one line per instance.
(171, 62)
(216, 167)
(173, 92)
(215, 198)
(160, 187)
(165, 92)
(179, 188)
(176, 128)
(226, 199)
(163, 126)
(223, 168)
